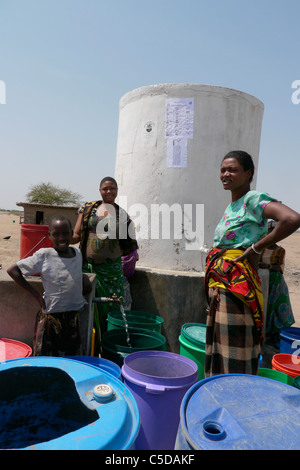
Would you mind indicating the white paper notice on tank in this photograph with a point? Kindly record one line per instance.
(179, 128)
(179, 118)
(176, 153)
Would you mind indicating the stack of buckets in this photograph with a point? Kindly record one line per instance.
(135, 319)
(288, 360)
(144, 333)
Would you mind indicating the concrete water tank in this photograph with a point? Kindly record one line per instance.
(171, 140)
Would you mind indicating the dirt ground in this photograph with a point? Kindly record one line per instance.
(10, 251)
(9, 248)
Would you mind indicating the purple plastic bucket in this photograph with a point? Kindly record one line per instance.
(158, 380)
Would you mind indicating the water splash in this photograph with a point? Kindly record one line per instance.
(126, 325)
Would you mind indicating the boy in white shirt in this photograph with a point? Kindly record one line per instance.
(57, 324)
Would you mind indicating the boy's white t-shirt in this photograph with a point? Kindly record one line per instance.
(61, 277)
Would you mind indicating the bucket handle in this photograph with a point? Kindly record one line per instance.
(155, 389)
(38, 243)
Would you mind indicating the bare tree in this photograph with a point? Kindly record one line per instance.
(47, 193)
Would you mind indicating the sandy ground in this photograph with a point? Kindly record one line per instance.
(10, 250)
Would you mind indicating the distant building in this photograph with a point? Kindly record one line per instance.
(40, 214)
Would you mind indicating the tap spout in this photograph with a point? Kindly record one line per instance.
(113, 298)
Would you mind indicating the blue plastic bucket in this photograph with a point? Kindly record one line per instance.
(289, 340)
(104, 364)
(51, 403)
(158, 381)
(239, 412)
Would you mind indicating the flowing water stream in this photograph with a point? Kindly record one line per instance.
(126, 325)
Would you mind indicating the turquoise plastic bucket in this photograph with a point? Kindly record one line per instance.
(239, 412)
(192, 344)
(51, 403)
(158, 381)
(135, 319)
(115, 346)
(104, 364)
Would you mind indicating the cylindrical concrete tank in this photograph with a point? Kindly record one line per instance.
(171, 141)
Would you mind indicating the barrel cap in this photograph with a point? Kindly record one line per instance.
(103, 393)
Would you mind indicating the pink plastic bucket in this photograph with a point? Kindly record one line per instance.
(12, 349)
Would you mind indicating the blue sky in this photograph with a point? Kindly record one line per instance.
(67, 63)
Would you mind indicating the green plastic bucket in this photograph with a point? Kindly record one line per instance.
(135, 319)
(115, 346)
(275, 375)
(296, 381)
(192, 344)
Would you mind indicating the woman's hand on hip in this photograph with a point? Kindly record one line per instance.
(250, 255)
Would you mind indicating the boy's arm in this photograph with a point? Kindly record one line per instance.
(16, 274)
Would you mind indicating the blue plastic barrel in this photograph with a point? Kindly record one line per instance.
(290, 340)
(239, 412)
(158, 381)
(51, 403)
(104, 364)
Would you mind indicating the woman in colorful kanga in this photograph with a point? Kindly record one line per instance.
(234, 330)
(106, 233)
